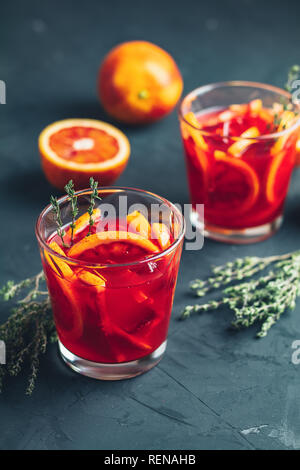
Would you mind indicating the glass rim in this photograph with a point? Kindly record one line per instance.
(120, 189)
(238, 83)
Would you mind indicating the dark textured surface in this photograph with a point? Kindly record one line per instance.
(213, 389)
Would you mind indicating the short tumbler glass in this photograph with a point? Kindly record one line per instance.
(120, 330)
(243, 197)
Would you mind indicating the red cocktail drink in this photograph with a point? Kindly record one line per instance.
(112, 287)
(239, 158)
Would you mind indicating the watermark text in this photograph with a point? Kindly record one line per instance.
(2, 92)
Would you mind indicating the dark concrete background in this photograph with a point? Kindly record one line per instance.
(213, 389)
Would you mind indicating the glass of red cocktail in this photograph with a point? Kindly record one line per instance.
(240, 144)
(112, 285)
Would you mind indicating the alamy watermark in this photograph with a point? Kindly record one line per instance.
(2, 92)
(295, 85)
(2, 352)
(173, 219)
(296, 353)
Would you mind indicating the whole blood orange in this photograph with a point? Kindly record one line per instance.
(139, 82)
(80, 148)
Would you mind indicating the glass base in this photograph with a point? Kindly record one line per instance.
(239, 236)
(102, 371)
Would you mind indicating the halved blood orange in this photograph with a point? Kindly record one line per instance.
(235, 182)
(80, 148)
(101, 238)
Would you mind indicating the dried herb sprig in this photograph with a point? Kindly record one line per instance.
(30, 327)
(69, 188)
(93, 197)
(28, 330)
(261, 300)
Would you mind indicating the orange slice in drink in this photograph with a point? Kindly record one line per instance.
(59, 266)
(83, 222)
(236, 184)
(237, 109)
(101, 238)
(195, 134)
(91, 279)
(111, 329)
(267, 116)
(72, 313)
(255, 106)
(80, 148)
(69, 315)
(287, 119)
(238, 147)
(229, 114)
(161, 234)
(278, 177)
(138, 223)
(201, 147)
(140, 296)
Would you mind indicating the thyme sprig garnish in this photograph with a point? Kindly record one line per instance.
(56, 209)
(287, 104)
(261, 300)
(93, 197)
(28, 330)
(69, 188)
(73, 199)
(293, 74)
